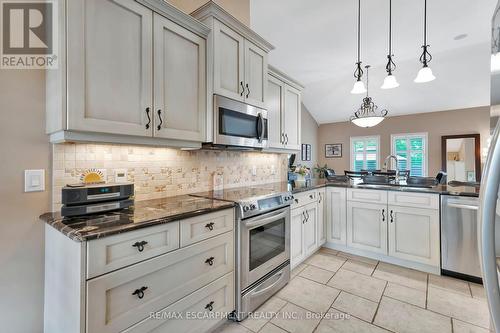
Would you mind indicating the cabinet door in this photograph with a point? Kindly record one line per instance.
(414, 234)
(255, 75)
(297, 252)
(275, 101)
(291, 118)
(367, 226)
(336, 217)
(179, 82)
(321, 217)
(109, 61)
(310, 229)
(229, 67)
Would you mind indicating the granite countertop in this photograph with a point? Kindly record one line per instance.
(142, 214)
(302, 186)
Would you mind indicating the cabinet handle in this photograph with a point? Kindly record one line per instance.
(311, 196)
(248, 89)
(392, 217)
(140, 245)
(303, 217)
(307, 213)
(383, 215)
(296, 200)
(161, 120)
(210, 261)
(319, 194)
(149, 118)
(282, 139)
(210, 226)
(140, 292)
(286, 137)
(242, 89)
(210, 306)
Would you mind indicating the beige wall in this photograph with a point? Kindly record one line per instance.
(24, 145)
(309, 134)
(436, 124)
(238, 8)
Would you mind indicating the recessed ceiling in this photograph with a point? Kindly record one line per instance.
(316, 44)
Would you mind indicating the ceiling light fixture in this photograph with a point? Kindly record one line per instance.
(367, 115)
(390, 80)
(359, 87)
(425, 73)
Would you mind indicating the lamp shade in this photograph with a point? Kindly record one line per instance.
(424, 75)
(367, 121)
(359, 88)
(390, 82)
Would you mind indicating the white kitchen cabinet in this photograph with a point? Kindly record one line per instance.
(310, 229)
(367, 226)
(321, 217)
(284, 111)
(238, 57)
(297, 251)
(105, 89)
(336, 216)
(414, 234)
(179, 82)
(229, 62)
(109, 66)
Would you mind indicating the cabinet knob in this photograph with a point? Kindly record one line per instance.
(210, 306)
(210, 226)
(140, 292)
(140, 245)
(311, 196)
(296, 200)
(210, 261)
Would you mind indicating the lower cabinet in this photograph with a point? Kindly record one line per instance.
(304, 233)
(336, 218)
(321, 217)
(414, 234)
(367, 226)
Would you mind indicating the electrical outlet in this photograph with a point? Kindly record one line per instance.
(34, 180)
(254, 170)
(273, 170)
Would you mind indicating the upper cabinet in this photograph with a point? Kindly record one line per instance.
(284, 111)
(106, 89)
(237, 57)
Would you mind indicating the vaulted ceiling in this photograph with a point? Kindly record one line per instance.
(316, 44)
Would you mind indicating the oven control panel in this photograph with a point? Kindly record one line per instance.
(260, 205)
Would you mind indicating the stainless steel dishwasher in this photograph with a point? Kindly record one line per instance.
(459, 242)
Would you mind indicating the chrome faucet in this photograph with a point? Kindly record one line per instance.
(385, 168)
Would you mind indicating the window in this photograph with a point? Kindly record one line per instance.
(411, 151)
(365, 153)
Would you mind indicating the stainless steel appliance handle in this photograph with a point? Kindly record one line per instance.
(486, 236)
(459, 206)
(276, 277)
(266, 218)
(260, 127)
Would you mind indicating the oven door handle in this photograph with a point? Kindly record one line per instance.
(260, 127)
(276, 277)
(265, 219)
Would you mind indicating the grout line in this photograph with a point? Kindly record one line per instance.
(470, 289)
(379, 301)
(369, 323)
(427, 291)
(376, 266)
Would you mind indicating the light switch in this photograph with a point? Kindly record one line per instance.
(34, 180)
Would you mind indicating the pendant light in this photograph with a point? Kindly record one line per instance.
(390, 80)
(367, 115)
(359, 87)
(425, 73)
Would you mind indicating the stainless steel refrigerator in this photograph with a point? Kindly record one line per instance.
(489, 207)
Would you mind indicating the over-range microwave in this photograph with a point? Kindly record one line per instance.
(239, 125)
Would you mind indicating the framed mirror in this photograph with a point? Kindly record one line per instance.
(461, 157)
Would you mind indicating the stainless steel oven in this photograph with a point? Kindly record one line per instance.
(239, 124)
(264, 259)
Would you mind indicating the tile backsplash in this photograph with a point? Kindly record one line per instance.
(162, 172)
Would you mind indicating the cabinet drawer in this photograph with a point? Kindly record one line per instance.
(375, 196)
(304, 198)
(205, 226)
(220, 294)
(112, 305)
(110, 253)
(417, 200)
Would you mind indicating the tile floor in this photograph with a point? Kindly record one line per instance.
(338, 292)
